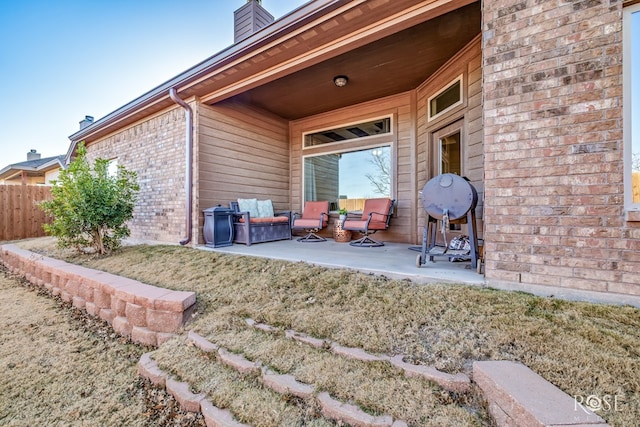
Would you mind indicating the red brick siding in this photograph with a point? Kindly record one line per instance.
(553, 146)
(155, 150)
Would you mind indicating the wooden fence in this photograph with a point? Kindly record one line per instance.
(351, 205)
(20, 215)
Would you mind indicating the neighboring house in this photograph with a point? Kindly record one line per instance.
(36, 170)
(525, 98)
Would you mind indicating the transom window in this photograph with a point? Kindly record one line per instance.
(356, 131)
(631, 76)
(446, 99)
(348, 171)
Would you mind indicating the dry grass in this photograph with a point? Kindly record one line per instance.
(585, 349)
(61, 368)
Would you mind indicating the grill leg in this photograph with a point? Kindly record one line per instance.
(425, 242)
(473, 237)
(433, 233)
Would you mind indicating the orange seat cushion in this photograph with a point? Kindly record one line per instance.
(380, 206)
(308, 223)
(263, 220)
(313, 210)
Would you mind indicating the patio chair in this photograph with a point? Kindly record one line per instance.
(314, 218)
(376, 216)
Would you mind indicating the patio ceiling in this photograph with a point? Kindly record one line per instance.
(385, 47)
(394, 64)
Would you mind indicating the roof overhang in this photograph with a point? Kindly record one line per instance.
(15, 170)
(310, 35)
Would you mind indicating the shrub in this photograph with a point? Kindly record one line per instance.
(90, 207)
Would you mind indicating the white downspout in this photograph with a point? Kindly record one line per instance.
(188, 186)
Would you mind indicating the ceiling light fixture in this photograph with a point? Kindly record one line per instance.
(340, 81)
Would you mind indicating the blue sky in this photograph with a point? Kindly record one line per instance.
(64, 59)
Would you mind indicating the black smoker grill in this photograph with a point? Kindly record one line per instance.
(450, 199)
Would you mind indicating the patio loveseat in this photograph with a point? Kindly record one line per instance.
(254, 221)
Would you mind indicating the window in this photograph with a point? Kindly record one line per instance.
(346, 172)
(446, 150)
(447, 154)
(112, 167)
(450, 149)
(356, 131)
(631, 103)
(446, 99)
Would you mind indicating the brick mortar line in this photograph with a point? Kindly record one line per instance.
(457, 383)
(287, 384)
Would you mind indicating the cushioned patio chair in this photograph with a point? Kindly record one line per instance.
(376, 216)
(314, 218)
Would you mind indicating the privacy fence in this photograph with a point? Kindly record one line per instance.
(20, 215)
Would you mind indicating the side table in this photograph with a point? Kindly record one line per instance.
(340, 235)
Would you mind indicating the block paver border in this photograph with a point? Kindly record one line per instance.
(287, 384)
(213, 416)
(148, 315)
(459, 383)
(517, 396)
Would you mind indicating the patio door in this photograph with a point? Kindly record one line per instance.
(447, 149)
(446, 153)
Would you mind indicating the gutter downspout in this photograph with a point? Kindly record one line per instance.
(189, 166)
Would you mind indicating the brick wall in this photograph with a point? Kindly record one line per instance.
(553, 146)
(155, 150)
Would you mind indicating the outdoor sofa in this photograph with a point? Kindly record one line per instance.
(254, 221)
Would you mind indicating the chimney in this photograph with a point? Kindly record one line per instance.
(33, 155)
(86, 122)
(250, 18)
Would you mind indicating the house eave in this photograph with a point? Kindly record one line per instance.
(11, 171)
(207, 68)
(238, 68)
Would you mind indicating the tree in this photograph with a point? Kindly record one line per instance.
(382, 180)
(90, 208)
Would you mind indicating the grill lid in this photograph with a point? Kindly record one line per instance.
(448, 192)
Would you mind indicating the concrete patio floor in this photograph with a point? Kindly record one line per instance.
(393, 260)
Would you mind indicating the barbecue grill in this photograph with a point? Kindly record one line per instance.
(448, 199)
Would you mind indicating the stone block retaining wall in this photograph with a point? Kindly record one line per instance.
(147, 314)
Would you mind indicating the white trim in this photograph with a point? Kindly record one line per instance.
(351, 149)
(452, 106)
(629, 205)
(340, 126)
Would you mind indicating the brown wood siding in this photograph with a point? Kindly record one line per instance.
(242, 152)
(469, 63)
(403, 183)
(20, 215)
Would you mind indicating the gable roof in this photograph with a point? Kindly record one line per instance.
(259, 39)
(310, 35)
(37, 165)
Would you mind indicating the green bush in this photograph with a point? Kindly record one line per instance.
(90, 208)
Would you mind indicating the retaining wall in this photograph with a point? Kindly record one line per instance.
(147, 314)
